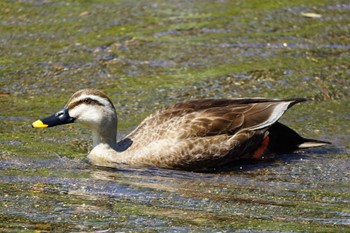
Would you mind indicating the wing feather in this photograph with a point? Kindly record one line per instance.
(209, 117)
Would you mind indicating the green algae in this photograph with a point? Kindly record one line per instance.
(146, 55)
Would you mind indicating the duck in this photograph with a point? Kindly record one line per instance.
(194, 135)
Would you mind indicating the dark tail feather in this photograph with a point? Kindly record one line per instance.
(283, 139)
(295, 101)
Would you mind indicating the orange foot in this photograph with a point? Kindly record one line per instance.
(258, 153)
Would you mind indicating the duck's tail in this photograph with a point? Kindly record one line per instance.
(310, 143)
(283, 139)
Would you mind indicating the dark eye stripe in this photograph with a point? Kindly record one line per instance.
(88, 101)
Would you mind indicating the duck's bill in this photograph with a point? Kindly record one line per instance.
(59, 118)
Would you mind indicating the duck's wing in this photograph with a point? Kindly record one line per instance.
(209, 117)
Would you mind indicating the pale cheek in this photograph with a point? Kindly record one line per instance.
(91, 117)
(85, 116)
(75, 112)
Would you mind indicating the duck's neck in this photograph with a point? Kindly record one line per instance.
(104, 148)
(107, 137)
(104, 137)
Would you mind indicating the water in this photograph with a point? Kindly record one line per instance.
(291, 194)
(149, 54)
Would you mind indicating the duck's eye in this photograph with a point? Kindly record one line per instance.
(91, 102)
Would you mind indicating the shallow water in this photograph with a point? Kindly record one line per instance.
(149, 54)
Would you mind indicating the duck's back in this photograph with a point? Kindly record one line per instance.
(209, 117)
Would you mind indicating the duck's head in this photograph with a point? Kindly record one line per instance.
(89, 107)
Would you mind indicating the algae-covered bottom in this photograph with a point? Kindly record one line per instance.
(152, 53)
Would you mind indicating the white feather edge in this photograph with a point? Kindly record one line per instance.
(277, 113)
(306, 145)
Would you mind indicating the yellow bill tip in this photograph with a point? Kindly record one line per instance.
(39, 124)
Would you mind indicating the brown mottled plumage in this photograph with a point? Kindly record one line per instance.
(195, 135)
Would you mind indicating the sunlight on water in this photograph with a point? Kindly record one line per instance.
(150, 54)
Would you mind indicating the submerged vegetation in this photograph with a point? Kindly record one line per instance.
(149, 54)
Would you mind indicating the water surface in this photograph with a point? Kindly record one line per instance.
(149, 54)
